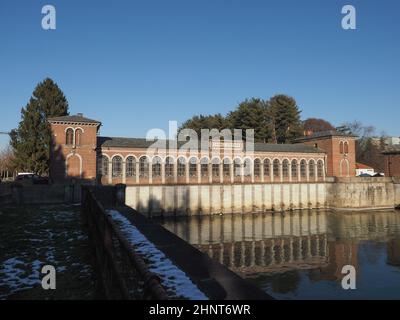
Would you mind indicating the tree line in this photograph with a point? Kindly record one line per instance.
(276, 120)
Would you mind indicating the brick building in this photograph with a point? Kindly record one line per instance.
(392, 161)
(340, 151)
(78, 152)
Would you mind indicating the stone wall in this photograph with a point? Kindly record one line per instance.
(335, 193)
(361, 193)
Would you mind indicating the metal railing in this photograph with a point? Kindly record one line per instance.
(123, 273)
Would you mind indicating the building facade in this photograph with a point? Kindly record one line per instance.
(392, 161)
(78, 152)
(340, 151)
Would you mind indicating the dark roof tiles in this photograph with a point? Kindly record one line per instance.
(74, 118)
(115, 142)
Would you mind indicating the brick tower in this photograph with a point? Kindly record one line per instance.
(340, 151)
(73, 148)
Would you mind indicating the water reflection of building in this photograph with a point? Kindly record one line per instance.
(316, 240)
(393, 252)
(257, 243)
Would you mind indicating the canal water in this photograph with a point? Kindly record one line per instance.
(301, 255)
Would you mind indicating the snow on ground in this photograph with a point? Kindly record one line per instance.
(15, 276)
(171, 276)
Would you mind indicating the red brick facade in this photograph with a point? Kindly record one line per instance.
(73, 150)
(392, 163)
(78, 153)
(340, 152)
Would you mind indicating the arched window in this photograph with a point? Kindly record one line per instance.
(116, 167)
(311, 169)
(227, 167)
(215, 167)
(285, 168)
(130, 167)
(204, 167)
(156, 167)
(320, 168)
(267, 168)
(181, 167)
(294, 169)
(257, 168)
(104, 166)
(344, 168)
(303, 169)
(193, 167)
(169, 167)
(275, 165)
(346, 147)
(237, 167)
(341, 147)
(69, 137)
(247, 168)
(143, 167)
(78, 137)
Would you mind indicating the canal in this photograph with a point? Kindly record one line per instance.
(300, 255)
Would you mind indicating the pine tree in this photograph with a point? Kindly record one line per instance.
(31, 140)
(286, 118)
(252, 114)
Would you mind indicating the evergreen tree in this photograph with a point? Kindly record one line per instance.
(31, 140)
(252, 114)
(197, 123)
(286, 118)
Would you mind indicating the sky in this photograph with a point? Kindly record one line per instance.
(135, 65)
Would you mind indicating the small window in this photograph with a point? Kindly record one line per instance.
(69, 139)
(78, 137)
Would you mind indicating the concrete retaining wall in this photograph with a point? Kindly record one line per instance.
(5, 193)
(337, 194)
(227, 198)
(361, 193)
(20, 194)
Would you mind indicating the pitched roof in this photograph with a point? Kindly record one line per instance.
(117, 142)
(75, 118)
(325, 134)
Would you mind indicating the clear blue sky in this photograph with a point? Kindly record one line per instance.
(134, 65)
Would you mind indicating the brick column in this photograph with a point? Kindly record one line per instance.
(187, 167)
(198, 170)
(298, 171)
(110, 172)
(163, 171)
(262, 171)
(316, 171)
(137, 170)
(123, 172)
(176, 171)
(271, 171)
